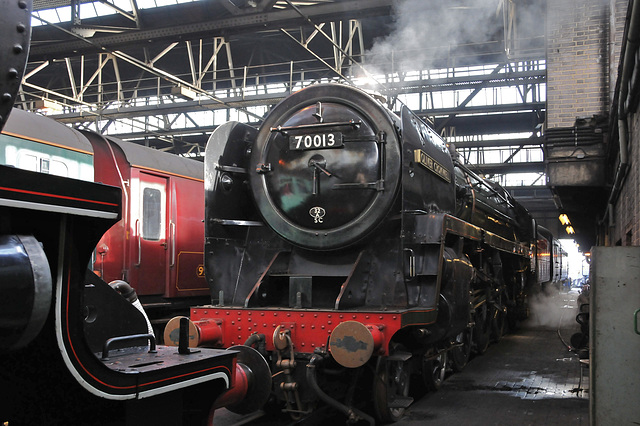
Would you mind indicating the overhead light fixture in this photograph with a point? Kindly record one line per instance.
(570, 230)
(184, 92)
(564, 219)
(48, 105)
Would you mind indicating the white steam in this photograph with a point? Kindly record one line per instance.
(554, 310)
(442, 34)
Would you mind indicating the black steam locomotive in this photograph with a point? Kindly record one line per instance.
(348, 249)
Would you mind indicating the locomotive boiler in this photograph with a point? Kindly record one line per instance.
(347, 250)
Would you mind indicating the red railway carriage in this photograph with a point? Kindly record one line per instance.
(157, 246)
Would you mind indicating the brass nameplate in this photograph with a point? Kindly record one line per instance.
(432, 165)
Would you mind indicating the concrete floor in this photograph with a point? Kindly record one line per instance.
(529, 378)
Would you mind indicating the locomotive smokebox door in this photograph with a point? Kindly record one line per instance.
(326, 167)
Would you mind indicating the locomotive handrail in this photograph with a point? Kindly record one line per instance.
(481, 202)
(231, 169)
(415, 212)
(109, 342)
(376, 186)
(282, 129)
(234, 222)
(483, 182)
(412, 262)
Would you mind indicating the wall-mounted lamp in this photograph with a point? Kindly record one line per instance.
(564, 219)
(570, 230)
(578, 153)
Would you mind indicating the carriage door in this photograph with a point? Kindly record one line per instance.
(151, 230)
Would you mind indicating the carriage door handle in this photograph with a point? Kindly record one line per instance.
(172, 235)
(635, 321)
(139, 242)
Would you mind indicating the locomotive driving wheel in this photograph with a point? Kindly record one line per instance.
(391, 386)
(498, 319)
(482, 329)
(434, 367)
(460, 354)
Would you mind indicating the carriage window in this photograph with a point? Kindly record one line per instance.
(27, 161)
(58, 168)
(151, 214)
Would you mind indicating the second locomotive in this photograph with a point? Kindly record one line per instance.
(347, 249)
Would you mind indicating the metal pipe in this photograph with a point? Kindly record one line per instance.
(253, 339)
(125, 290)
(353, 414)
(628, 64)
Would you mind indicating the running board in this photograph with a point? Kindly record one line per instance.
(399, 356)
(400, 402)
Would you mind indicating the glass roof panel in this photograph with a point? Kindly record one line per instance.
(60, 11)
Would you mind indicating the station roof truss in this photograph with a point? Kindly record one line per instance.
(167, 76)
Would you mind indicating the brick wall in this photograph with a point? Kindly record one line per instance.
(617, 19)
(626, 230)
(577, 60)
(584, 40)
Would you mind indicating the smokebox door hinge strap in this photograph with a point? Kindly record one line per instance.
(263, 168)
